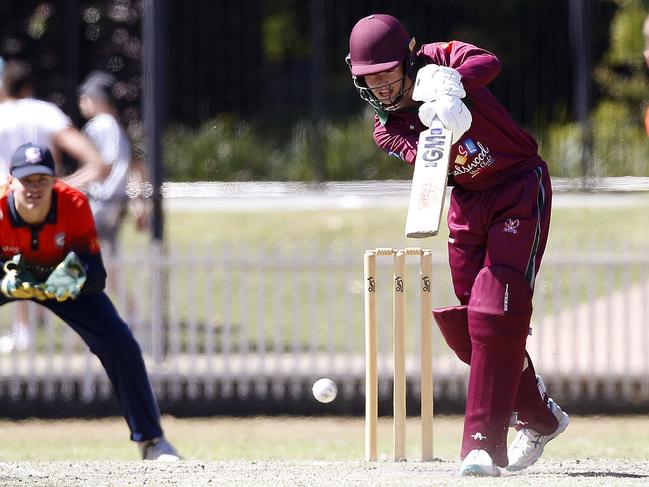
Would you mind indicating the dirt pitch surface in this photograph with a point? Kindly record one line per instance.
(317, 474)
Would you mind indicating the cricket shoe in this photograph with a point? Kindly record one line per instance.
(478, 463)
(528, 444)
(158, 449)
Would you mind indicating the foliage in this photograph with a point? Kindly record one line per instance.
(560, 147)
(283, 31)
(228, 149)
(619, 144)
(270, 41)
(352, 154)
(222, 149)
(626, 44)
(614, 141)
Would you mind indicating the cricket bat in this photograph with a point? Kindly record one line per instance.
(429, 182)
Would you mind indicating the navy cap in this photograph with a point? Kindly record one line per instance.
(31, 159)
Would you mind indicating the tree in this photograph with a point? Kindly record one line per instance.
(619, 143)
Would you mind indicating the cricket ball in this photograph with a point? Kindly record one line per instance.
(324, 390)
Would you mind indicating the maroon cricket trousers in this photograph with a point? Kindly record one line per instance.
(504, 227)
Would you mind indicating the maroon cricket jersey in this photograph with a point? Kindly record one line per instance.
(493, 150)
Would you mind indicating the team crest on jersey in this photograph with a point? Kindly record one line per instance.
(462, 155)
(511, 225)
(471, 147)
(476, 156)
(59, 240)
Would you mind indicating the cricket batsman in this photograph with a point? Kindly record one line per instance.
(498, 219)
(50, 254)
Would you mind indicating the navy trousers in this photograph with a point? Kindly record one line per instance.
(96, 320)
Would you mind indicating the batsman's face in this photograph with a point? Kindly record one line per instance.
(386, 86)
(33, 192)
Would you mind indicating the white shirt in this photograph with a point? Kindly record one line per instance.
(27, 120)
(115, 149)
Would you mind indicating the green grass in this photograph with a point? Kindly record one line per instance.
(615, 229)
(307, 230)
(265, 289)
(298, 438)
(298, 235)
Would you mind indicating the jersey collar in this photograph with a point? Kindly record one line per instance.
(17, 220)
(384, 115)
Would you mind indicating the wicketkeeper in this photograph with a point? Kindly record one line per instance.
(50, 255)
(499, 219)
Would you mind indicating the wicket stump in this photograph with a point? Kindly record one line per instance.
(399, 352)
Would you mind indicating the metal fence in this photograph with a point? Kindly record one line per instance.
(264, 323)
(225, 48)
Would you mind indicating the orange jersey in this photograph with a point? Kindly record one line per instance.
(69, 226)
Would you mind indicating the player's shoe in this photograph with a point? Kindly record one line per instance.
(158, 449)
(478, 463)
(528, 444)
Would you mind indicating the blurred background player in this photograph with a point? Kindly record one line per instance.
(499, 219)
(51, 255)
(25, 119)
(108, 196)
(2, 91)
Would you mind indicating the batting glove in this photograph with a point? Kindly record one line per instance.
(451, 111)
(434, 81)
(18, 282)
(66, 280)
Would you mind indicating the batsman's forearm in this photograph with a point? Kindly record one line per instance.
(396, 142)
(477, 66)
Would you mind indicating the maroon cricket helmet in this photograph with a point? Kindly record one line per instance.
(377, 43)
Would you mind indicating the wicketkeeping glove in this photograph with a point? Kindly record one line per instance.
(66, 280)
(18, 282)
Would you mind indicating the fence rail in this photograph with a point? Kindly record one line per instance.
(265, 323)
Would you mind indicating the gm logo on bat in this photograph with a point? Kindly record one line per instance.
(434, 147)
